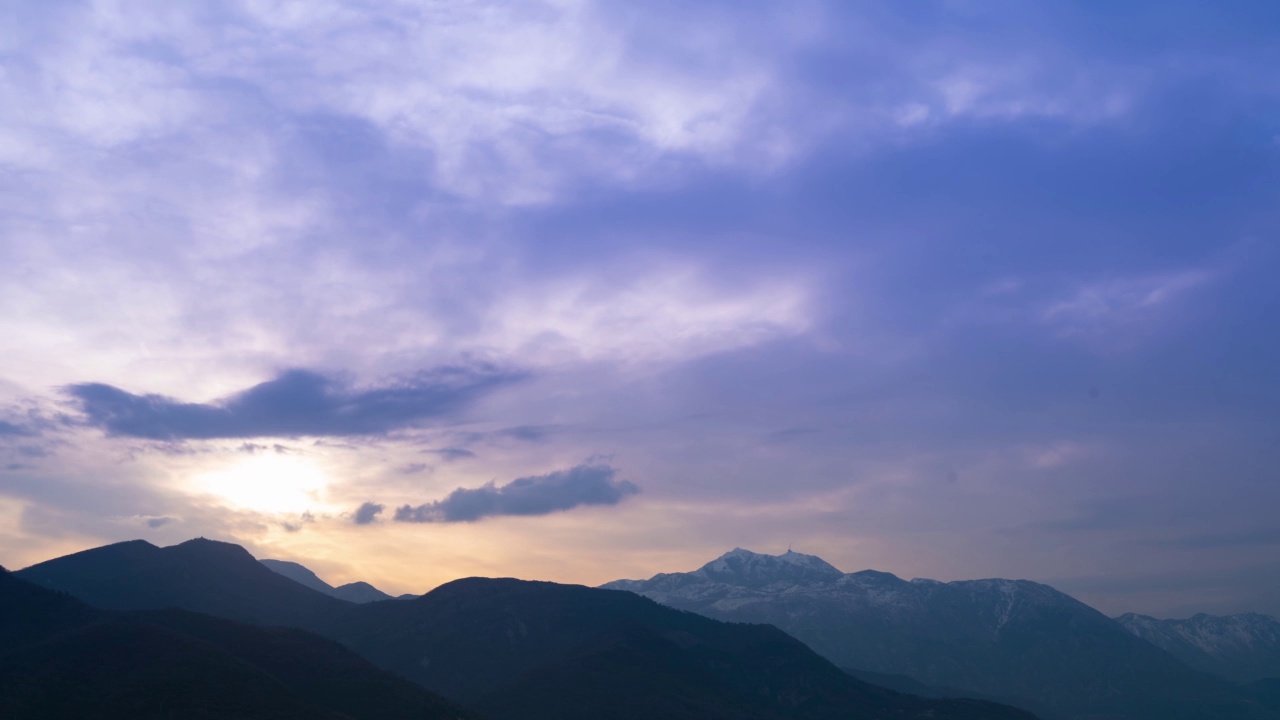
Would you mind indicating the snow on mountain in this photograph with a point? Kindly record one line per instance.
(742, 578)
(1015, 640)
(1244, 647)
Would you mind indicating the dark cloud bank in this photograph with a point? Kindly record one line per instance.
(298, 402)
(532, 495)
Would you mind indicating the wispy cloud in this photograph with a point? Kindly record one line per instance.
(532, 495)
(657, 314)
(453, 453)
(1123, 310)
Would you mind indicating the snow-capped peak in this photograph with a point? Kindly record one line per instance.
(739, 567)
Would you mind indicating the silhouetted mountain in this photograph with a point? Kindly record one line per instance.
(1244, 647)
(1020, 641)
(518, 649)
(205, 576)
(356, 592)
(360, 592)
(62, 659)
(298, 573)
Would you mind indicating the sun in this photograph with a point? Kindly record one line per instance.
(266, 483)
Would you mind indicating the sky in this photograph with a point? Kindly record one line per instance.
(580, 291)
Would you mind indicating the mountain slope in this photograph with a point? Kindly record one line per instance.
(1244, 647)
(1020, 641)
(204, 576)
(62, 659)
(298, 573)
(356, 592)
(518, 649)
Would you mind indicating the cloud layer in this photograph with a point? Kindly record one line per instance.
(532, 495)
(298, 402)
(817, 271)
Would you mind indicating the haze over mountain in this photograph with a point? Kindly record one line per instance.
(356, 592)
(1244, 647)
(60, 658)
(517, 649)
(1016, 640)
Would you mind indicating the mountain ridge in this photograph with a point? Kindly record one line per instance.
(60, 658)
(200, 575)
(523, 649)
(1017, 640)
(1244, 647)
(356, 592)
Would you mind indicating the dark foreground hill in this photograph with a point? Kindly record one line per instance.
(60, 658)
(1022, 642)
(519, 649)
(513, 649)
(205, 576)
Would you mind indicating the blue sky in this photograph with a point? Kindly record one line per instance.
(579, 291)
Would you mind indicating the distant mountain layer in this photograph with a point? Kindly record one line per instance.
(514, 649)
(356, 592)
(1016, 640)
(1243, 647)
(60, 658)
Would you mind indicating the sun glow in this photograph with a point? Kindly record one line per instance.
(266, 483)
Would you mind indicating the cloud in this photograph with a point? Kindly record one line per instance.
(254, 448)
(1122, 305)
(533, 495)
(8, 428)
(298, 402)
(153, 522)
(454, 453)
(665, 311)
(367, 513)
(1248, 538)
(528, 433)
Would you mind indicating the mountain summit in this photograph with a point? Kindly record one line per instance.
(750, 569)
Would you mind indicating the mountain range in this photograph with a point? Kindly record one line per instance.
(510, 648)
(60, 658)
(1018, 641)
(214, 578)
(356, 592)
(1244, 647)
